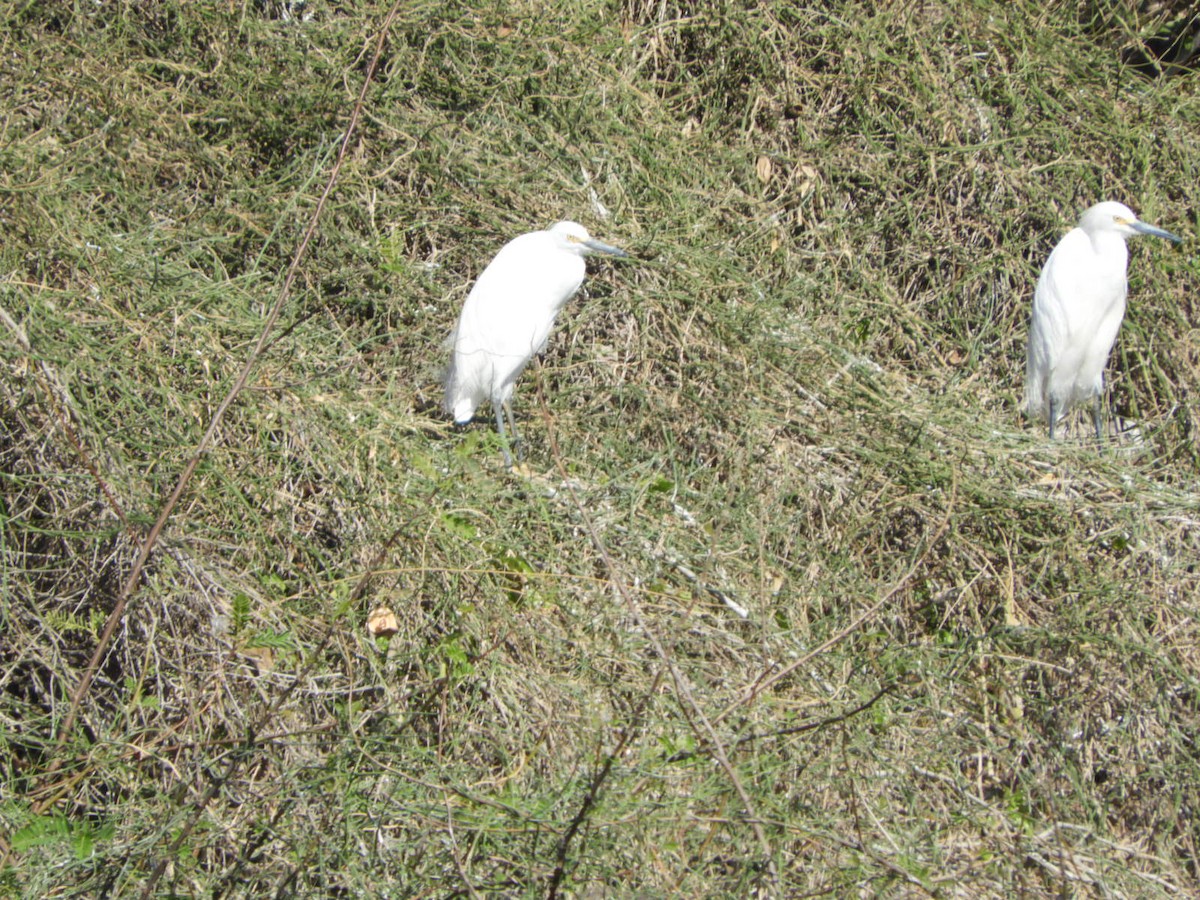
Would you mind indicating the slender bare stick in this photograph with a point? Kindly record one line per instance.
(243, 377)
(687, 701)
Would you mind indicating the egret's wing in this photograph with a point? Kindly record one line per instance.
(1049, 322)
(511, 309)
(1056, 300)
(1109, 313)
(474, 375)
(508, 316)
(1079, 304)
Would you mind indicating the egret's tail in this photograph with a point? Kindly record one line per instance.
(1036, 368)
(458, 402)
(462, 411)
(1035, 401)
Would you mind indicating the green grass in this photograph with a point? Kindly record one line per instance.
(968, 664)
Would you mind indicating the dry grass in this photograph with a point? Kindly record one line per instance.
(968, 666)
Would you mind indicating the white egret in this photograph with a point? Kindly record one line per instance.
(1077, 310)
(507, 318)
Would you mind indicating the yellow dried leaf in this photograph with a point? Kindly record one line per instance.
(806, 177)
(763, 168)
(262, 657)
(382, 622)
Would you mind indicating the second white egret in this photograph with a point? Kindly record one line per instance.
(1077, 310)
(507, 318)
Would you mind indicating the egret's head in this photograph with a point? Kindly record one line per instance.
(1118, 218)
(575, 237)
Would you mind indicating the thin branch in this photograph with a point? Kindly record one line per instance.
(253, 731)
(688, 702)
(765, 683)
(118, 612)
(593, 792)
(684, 755)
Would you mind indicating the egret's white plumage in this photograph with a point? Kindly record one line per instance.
(1077, 310)
(507, 318)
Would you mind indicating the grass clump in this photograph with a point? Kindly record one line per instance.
(967, 657)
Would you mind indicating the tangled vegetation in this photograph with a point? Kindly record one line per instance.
(790, 599)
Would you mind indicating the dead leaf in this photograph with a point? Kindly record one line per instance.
(763, 168)
(262, 657)
(806, 177)
(382, 622)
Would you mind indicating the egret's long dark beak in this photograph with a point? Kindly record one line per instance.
(607, 249)
(1144, 228)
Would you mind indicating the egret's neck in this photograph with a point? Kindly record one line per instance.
(1111, 251)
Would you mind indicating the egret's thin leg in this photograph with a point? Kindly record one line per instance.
(518, 444)
(496, 408)
(1053, 416)
(1098, 417)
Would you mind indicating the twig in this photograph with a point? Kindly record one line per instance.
(118, 612)
(250, 741)
(684, 755)
(766, 682)
(593, 791)
(458, 863)
(684, 693)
